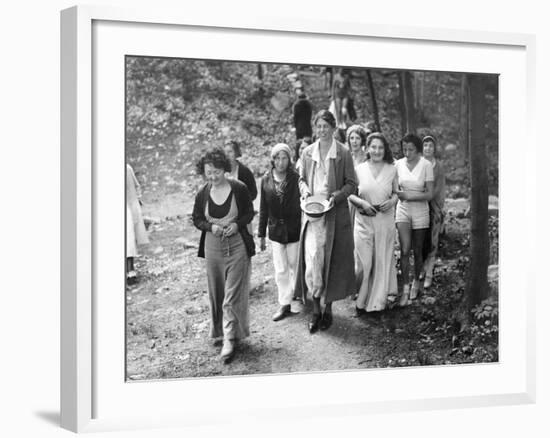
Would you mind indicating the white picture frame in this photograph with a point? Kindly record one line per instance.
(88, 375)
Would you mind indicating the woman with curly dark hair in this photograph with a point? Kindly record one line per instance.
(374, 227)
(222, 211)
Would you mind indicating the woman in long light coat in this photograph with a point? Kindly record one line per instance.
(326, 263)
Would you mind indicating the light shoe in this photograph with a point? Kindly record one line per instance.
(427, 282)
(228, 350)
(414, 289)
(405, 296)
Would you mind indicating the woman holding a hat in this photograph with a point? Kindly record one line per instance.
(437, 213)
(280, 214)
(326, 264)
(222, 211)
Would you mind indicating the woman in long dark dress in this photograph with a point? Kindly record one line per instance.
(222, 211)
(280, 214)
(326, 264)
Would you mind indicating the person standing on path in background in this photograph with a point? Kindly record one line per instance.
(280, 214)
(374, 228)
(340, 94)
(416, 184)
(222, 211)
(136, 234)
(302, 110)
(326, 265)
(437, 212)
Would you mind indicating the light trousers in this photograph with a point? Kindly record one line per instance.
(285, 261)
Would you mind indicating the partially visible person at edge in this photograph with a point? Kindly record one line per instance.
(302, 111)
(280, 214)
(238, 170)
(326, 266)
(416, 186)
(374, 228)
(222, 211)
(136, 234)
(436, 204)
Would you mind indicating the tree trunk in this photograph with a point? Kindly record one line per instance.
(373, 100)
(477, 289)
(409, 101)
(402, 107)
(260, 78)
(406, 103)
(464, 125)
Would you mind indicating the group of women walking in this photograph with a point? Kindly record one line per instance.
(344, 246)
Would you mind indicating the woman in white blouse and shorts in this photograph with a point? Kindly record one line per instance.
(412, 217)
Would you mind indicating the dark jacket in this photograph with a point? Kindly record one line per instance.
(302, 111)
(245, 175)
(283, 220)
(245, 215)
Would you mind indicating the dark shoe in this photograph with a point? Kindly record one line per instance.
(360, 312)
(315, 323)
(326, 322)
(282, 313)
(228, 350)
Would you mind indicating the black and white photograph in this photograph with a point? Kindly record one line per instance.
(285, 218)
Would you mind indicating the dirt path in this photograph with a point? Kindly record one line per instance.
(168, 318)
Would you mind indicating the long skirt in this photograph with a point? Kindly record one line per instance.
(228, 275)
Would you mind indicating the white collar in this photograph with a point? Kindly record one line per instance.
(316, 154)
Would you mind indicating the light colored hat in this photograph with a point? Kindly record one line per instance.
(278, 148)
(315, 206)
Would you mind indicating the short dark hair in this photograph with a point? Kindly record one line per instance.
(414, 139)
(388, 155)
(431, 137)
(235, 146)
(327, 116)
(215, 157)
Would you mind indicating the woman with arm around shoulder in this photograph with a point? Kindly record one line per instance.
(326, 265)
(374, 228)
(222, 211)
(437, 212)
(280, 215)
(416, 183)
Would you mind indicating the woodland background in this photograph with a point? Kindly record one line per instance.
(177, 108)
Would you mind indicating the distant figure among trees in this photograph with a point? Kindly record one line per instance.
(437, 212)
(340, 94)
(302, 110)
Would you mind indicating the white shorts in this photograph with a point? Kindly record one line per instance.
(416, 213)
